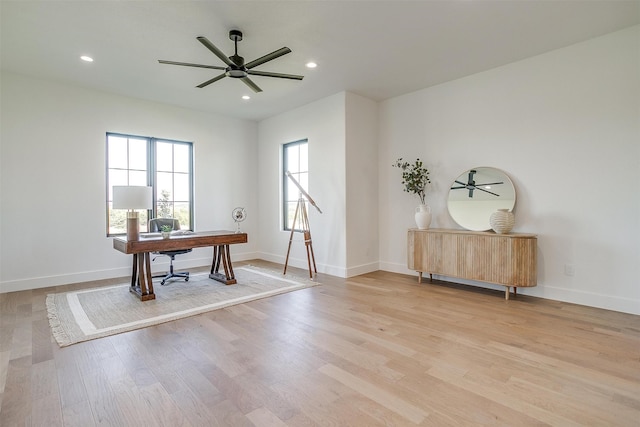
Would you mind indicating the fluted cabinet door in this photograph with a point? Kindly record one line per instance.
(503, 259)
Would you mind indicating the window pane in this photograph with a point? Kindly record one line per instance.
(117, 220)
(164, 208)
(164, 185)
(144, 221)
(181, 187)
(164, 156)
(117, 177)
(183, 214)
(291, 210)
(181, 158)
(292, 191)
(117, 155)
(138, 154)
(303, 180)
(137, 178)
(293, 164)
(303, 167)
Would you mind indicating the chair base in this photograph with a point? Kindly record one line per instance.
(170, 275)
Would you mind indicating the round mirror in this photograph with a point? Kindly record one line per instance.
(478, 193)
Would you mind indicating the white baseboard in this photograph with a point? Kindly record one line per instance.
(362, 269)
(303, 264)
(113, 273)
(590, 299)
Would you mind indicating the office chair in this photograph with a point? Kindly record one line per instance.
(155, 225)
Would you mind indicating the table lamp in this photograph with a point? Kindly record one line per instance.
(132, 197)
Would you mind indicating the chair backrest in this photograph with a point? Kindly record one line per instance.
(156, 224)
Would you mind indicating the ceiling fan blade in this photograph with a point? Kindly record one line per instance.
(217, 52)
(486, 191)
(280, 75)
(268, 57)
(188, 64)
(215, 79)
(490, 183)
(251, 84)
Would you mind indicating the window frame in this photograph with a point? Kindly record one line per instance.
(285, 179)
(151, 176)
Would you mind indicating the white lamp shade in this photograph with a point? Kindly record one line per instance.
(132, 197)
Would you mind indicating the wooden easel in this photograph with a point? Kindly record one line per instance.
(301, 214)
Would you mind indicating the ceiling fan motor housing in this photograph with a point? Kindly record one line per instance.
(235, 35)
(238, 71)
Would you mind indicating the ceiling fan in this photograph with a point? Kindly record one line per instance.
(236, 68)
(471, 185)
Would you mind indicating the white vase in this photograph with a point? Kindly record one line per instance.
(502, 221)
(423, 217)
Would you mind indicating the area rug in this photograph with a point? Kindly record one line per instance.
(99, 312)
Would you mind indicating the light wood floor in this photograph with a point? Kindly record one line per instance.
(374, 350)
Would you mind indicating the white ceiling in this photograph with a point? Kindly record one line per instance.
(377, 49)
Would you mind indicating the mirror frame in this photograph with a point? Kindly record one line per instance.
(470, 206)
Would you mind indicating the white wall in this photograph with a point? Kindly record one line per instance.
(323, 124)
(361, 153)
(565, 126)
(53, 214)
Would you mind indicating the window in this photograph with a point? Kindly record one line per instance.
(165, 165)
(294, 160)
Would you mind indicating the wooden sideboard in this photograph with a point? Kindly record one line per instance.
(503, 259)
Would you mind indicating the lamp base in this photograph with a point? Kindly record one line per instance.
(133, 230)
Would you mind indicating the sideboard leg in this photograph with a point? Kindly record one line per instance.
(515, 291)
(506, 292)
(419, 276)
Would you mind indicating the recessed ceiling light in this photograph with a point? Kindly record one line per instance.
(311, 65)
(246, 97)
(86, 58)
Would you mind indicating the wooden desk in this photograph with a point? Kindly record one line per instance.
(141, 283)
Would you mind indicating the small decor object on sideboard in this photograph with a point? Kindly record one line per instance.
(415, 178)
(502, 221)
(423, 217)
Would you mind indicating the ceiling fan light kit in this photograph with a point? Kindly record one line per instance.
(235, 65)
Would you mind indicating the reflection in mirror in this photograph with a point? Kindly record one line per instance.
(478, 193)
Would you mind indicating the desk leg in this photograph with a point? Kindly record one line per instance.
(134, 271)
(221, 255)
(141, 282)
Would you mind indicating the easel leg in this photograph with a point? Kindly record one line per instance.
(293, 227)
(307, 240)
